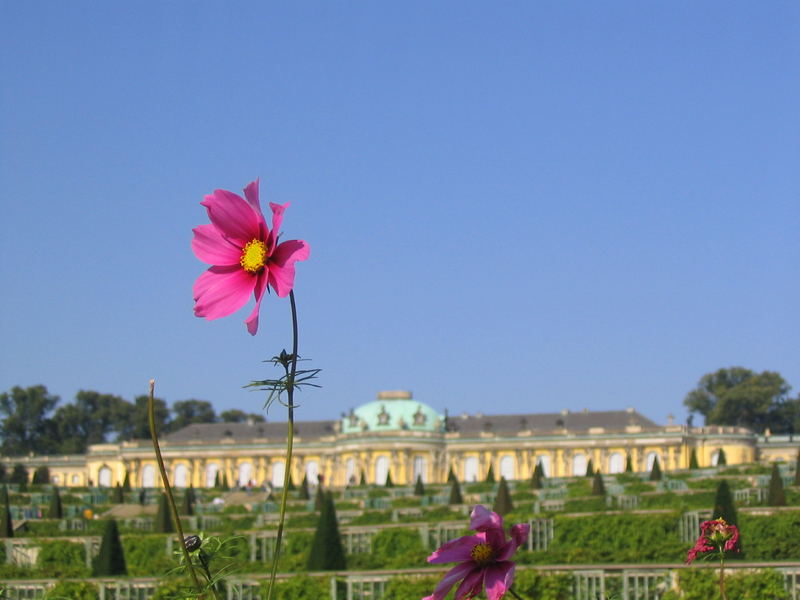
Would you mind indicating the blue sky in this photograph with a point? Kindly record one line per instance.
(514, 207)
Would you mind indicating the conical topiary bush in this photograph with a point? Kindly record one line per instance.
(598, 487)
(629, 464)
(111, 558)
(6, 524)
(693, 464)
(451, 475)
(655, 470)
(41, 476)
(389, 483)
(327, 551)
(722, 460)
(502, 501)
(724, 507)
(455, 493)
(797, 470)
(163, 523)
(363, 480)
(590, 468)
(419, 487)
(187, 503)
(537, 479)
(126, 482)
(776, 495)
(117, 496)
(319, 499)
(302, 493)
(490, 474)
(56, 510)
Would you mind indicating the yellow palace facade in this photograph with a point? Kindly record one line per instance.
(398, 436)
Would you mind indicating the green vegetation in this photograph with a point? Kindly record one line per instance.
(6, 525)
(502, 501)
(775, 493)
(111, 558)
(327, 552)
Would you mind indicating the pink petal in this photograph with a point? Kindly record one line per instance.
(232, 215)
(519, 534)
(277, 219)
(483, 519)
(221, 291)
(471, 586)
(281, 265)
(457, 550)
(458, 572)
(252, 320)
(212, 247)
(251, 194)
(498, 579)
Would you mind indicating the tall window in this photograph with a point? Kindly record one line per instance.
(181, 476)
(245, 474)
(312, 471)
(104, 477)
(507, 467)
(381, 470)
(350, 476)
(278, 470)
(544, 460)
(149, 476)
(471, 468)
(420, 469)
(579, 464)
(616, 464)
(211, 474)
(651, 458)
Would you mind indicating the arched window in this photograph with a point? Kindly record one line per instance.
(471, 468)
(616, 464)
(245, 474)
(104, 477)
(312, 472)
(381, 470)
(507, 467)
(715, 458)
(211, 474)
(278, 470)
(651, 458)
(579, 465)
(148, 476)
(420, 469)
(76, 479)
(544, 460)
(55, 479)
(350, 477)
(181, 476)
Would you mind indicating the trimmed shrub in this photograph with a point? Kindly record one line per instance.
(55, 511)
(419, 487)
(74, 590)
(451, 474)
(117, 497)
(187, 503)
(655, 471)
(629, 464)
(598, 487)
(41, 476)
(693, 464)
(111, 558)
(126, 482)
(723, 504)
(776, 496)
(490, 475)
(455, 493)
(163, 522)
(589, 469)
(722, 460)
(19, 475)
(538, 476)
(299, 587)
(327, 552)
(6, 525)
(531, 584)
(397, 548)
(389, 483)
(502, 501)
(303, 491)
(59, 559)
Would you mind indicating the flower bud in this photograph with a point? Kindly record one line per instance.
(192, 543)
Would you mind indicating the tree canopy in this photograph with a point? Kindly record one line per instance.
(739, 396)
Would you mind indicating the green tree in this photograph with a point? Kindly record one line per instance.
(490, 474)
(693, 464)
(319, 499)
(91, 419)
(56, 510)
(217, 481)
(589, 469)
(724, 507)
(225, 486)
(6, 524)
(739, 396)
(139, 425)
(303, 492)
(239, 416)
(25, 425)
(776, 496)
(721, 458)
(363, 480)
(419, 487)
(598, 487)
(111, 558)
(19, 475)
(117, 496)
(389, 483)
(628, 463)
(163, 523)
(797, 469)
(188, 412)
(455, 493)
(537, 479)
(41, 476)
(451, 475)
(187, 503)
(655, 471)
(126, 482)
(2, 473)
(502, 501)
(327, 551)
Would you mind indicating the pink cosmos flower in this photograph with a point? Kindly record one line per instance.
(715, 535)
(245, 254)
(483, 559)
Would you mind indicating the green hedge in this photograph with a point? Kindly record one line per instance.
(702, 584)
(62, 559)
(73, 590)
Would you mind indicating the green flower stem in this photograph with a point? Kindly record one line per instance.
(151, 415)
(722, 594)
(515, 594)
(287, 473)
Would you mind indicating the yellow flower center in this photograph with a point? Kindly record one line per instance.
(254, 256)
(482, 554)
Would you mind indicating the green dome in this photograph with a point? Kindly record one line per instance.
(393, 411)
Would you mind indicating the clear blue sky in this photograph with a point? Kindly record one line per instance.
(524, 206)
